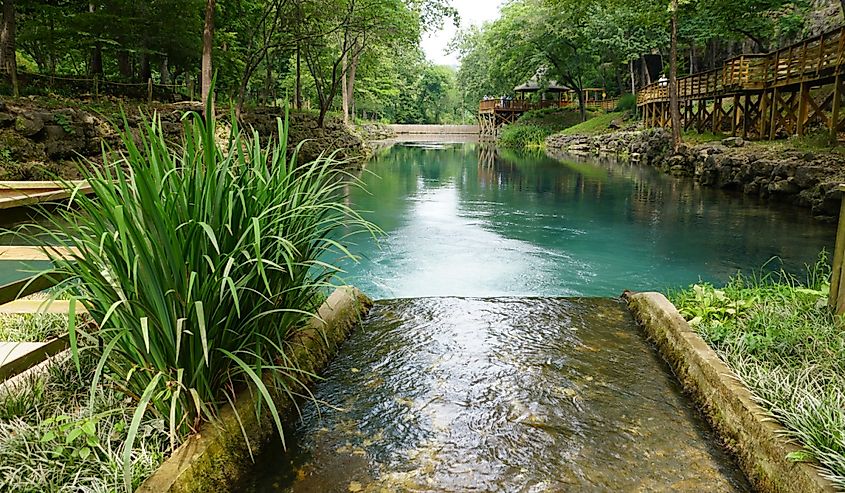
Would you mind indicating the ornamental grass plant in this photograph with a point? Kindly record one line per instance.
(198, 263)
(781, 339)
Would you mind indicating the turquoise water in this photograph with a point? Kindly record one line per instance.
(470, 220)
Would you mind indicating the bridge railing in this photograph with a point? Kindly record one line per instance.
(491, 105)
(804, 61)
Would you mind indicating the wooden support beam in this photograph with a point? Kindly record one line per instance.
(717, 116)
(735, 119)
(774, 113)
(803, 104)
(745, 120)
(836, 294)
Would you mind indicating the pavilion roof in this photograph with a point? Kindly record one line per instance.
(533, 85)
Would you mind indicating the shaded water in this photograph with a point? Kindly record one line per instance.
(528, 395)
(469, 220)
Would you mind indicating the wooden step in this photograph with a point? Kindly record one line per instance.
(31, 252)
(22, 307)
(26, 193)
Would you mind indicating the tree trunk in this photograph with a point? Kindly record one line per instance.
(633, 79)
(268, 80)
(124, 64)
(145, 69)
(350, 91)
(298, 90)
(8, 45)
(692, 58)
(207, 46)
(96, 52)
(581, 106)
(344, 88)
(97, 60)
(165, 71)
(674, 109)
(646, 74)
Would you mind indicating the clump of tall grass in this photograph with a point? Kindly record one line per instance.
(198, 263)
(521, 136)
(785, 344)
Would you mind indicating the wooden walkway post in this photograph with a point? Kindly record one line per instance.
(836, 297)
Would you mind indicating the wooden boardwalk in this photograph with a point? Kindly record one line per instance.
(761, 96)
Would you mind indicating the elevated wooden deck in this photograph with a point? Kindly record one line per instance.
(768, 95)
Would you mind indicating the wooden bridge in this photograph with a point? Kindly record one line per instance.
(494, 113)
(761, 96)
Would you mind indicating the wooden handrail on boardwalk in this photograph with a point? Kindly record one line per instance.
(773, 94)
(519, 105)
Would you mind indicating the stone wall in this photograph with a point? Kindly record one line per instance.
(40, 143)
(804, 178)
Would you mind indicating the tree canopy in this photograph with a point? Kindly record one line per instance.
(617, 44)
(353, 56)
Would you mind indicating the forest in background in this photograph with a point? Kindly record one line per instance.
(621, 45)
(361, 58)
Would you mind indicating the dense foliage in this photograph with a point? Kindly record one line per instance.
(532, 128)
(357, 56)
(621, 45)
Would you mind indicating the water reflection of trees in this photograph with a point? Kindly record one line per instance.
(676, 209)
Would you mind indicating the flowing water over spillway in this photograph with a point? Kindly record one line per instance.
(512, 395)
(468, 220)
(538, 394)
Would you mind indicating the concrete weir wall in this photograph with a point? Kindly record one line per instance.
(755, 439)
(435, 129)
(217, 458)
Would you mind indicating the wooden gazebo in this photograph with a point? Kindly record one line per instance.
(553, 88)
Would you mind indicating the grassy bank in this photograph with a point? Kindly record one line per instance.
(532, 128)
(56, 434)
(779, 337)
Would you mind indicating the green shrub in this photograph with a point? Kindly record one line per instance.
(532, 128)
(523, 136)
(627, 102)
(198, 264)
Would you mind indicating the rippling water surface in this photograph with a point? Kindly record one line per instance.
(512, 395)
(469, 220)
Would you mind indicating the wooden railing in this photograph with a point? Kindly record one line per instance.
(518, 105)
(805, 61)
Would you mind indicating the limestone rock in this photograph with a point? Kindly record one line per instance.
(733, 142)
(29, 125)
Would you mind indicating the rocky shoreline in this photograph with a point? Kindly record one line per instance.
(803, 178)
(40, 142)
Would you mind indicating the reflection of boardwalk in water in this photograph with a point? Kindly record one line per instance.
(456, 394)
